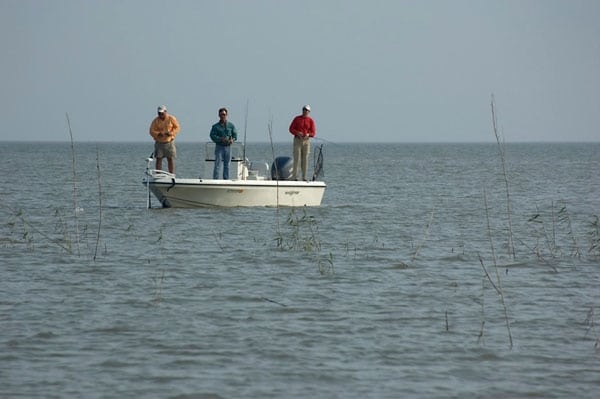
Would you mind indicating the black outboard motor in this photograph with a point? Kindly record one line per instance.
(282, 168)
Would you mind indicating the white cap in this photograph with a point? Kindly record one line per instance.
(162, 109)
(306, 107)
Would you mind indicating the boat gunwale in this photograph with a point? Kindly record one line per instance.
(235, 183)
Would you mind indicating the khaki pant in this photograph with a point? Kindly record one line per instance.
(301, 151)
(165, 150)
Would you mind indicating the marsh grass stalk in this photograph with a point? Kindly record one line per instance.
(325, 264)
(28, 229)
(550, 241)
(219, 236)
(272, 301)
(425, 237)
(590, 322)
(553, 226)
(538, 254)
(75, 196)
(594, 235)
(502, 154)
(25, 234)
(63, 228)
(158, 285)
(561, 227)
(564, 219)
(99, 204)
(302, 234)
(446, 318)
(498, 286)
(298, 238)
(480, 337)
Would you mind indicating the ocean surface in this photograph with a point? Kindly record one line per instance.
(420, 276)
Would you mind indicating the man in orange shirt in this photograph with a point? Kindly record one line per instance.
(163, 129)
(302, 128)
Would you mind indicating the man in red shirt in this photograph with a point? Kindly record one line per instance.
(302, 128)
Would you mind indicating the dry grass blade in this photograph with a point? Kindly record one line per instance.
(99, 204)
(498, 286)
(501, 152)
(75, 197)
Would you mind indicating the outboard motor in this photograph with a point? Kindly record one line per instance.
(282, 168)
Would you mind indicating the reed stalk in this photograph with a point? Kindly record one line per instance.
(539, 255)
(99, 204)
(590, 322)
(425, 236)
(326, 265)
(272, 301)
(594, 234)
(75, 197)
(28, 228)
(564, 218)
(550, 242)
(480, 337)
(158, 284)
(501, 152)
(497, 287)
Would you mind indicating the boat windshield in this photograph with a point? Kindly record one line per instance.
(237, 152)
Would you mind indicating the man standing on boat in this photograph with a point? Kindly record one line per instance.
(163, 129)
(302, 128)
(223, 134)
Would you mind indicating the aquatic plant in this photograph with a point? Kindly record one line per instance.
(24, 235)
(425, 236)
(325, 264)
(590, 322)
(539, 226)
(28, 229)
(303, 235)
(99, 204)
(62, 228)
(594, 235)
(158, 284)
(75, 190)
(564, 219)
(502, 154)
(498, 285)
(561, 228)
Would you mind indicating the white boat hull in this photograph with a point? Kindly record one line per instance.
(189, 193)
(252, 185)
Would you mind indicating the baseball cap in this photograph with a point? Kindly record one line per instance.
(306, 107)
(162, 109)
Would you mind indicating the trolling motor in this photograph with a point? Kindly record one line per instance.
(148, 173)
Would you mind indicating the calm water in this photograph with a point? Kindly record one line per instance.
(379, 293)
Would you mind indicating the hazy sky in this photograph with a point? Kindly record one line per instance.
(373, 71)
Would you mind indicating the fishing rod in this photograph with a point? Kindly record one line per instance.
(270, 129)
(148, 174)
(245, 131)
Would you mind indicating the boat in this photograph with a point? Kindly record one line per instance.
(253, 184)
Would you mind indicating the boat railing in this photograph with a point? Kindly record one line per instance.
(156, 173)
(237, 152)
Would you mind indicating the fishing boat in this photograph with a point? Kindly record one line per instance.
(253, 184)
